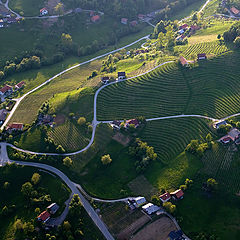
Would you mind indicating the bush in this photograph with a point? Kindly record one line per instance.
(106, 159)
(171, 208)
(67, 161)
(81, 121)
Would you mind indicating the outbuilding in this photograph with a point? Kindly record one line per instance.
(44, 216)
(177, 195)
(139, 201)
(150, 208)
(165, 197)
(121, 75)
(202, 56)
(52, 209)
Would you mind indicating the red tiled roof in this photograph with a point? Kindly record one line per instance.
(95, 18)
(15, 126)
(183, 61)
(235, 10)
(124, 20)
(44, 216)
(165, 196)
(178, 193)
(43, 9)
(19, 85)
(5, 88)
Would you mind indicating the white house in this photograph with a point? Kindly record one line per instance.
(43, 11)
(139, 201)
(150, 208)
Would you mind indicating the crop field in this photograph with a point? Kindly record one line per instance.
(206, 89)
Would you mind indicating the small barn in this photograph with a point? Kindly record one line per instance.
(202, 56)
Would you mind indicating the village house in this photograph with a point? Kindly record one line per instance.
(115, 124)
(11, 20)
(177, 195)
(165, 197)
(6, 90)
(95, 18)
(220, 123)
(183, 61)
(201, 56)
(15, 127)
(43, 12)
(233, 135)
(235, 11)
(184, 26)
(124, 21)
(133, 23)
(141, 16)
(44, 216)
(134, 122)
(121, 75)
(105, 80)
(52, 209)
(150, 208)
(19, 85)
(139, 201)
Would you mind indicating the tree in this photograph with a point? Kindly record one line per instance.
(37, 210)
(66, 226)
(1, 75)
(60, 149)
(171, 208)
(6, 185)
(237, 42)
(219, 36)
(35, 178)
(209, 137)
(67, 161)
(27, 189)
(81, 121)
(28, 228)
(59, 9)
(18, 224)
(212, 184)
(75, 206)
(106, 159)
(5, 211)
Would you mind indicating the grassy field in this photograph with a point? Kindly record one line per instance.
(16, 177)
(213, 214)
(211, 8)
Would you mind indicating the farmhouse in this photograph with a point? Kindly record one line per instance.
(234, 10)
(183, 61)
(184, 26)
(95, 18)
(133, 23)
(141, 16)
(165, 197)
(44, 216)
(124, 21)
(52, 209)
(177, 195)
(6, 90)
(19, 85)
(233, 135)
(115, 124)
(134, 122)
(202, 56)
(139, 201)
(121, 75)
(43, 12)
(15, 127)
(218, 124)
(176, 235)
(105, 80)
(150, 208)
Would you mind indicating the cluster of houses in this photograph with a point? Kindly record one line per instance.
(150, 208)
(45, 216)
(7, 19)
(131, 23)
(182, 30)
(121, 76)
(7, 90)
(185, 63)
(117, 124)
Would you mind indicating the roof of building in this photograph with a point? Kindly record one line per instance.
(95, 18)
(44, 216)
(220, 123)
(150, 208)
(117, 123)
(195, 27)
(19, 85)
(226, 139)
(53, 207)
(140, 200)
(234, 133)
(121, 74)
(178, 193)
(5, 89)
(234, 10)
(165, 196)
(183, 26)
(175, 235)
(43, 9)
(134, 23)
(15, 126)
(105, 78)
(183, 61)
(124, 20)
(201, 55)
(133, 121)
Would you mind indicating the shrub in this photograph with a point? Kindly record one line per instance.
(106, 159)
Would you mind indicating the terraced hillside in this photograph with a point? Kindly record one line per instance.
(206, 89)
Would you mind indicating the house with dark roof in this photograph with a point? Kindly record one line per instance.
(134, 122)
(176, 235)
(115, 124)
(52, 209)
(201, 56)
(43, 12)
(105, 80)
(44, 216)
(6, 90)
(218, 124)
(133, 23)
(177, 195)
(121, 75)
(165, 197)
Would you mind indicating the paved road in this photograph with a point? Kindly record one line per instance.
(91, 212)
